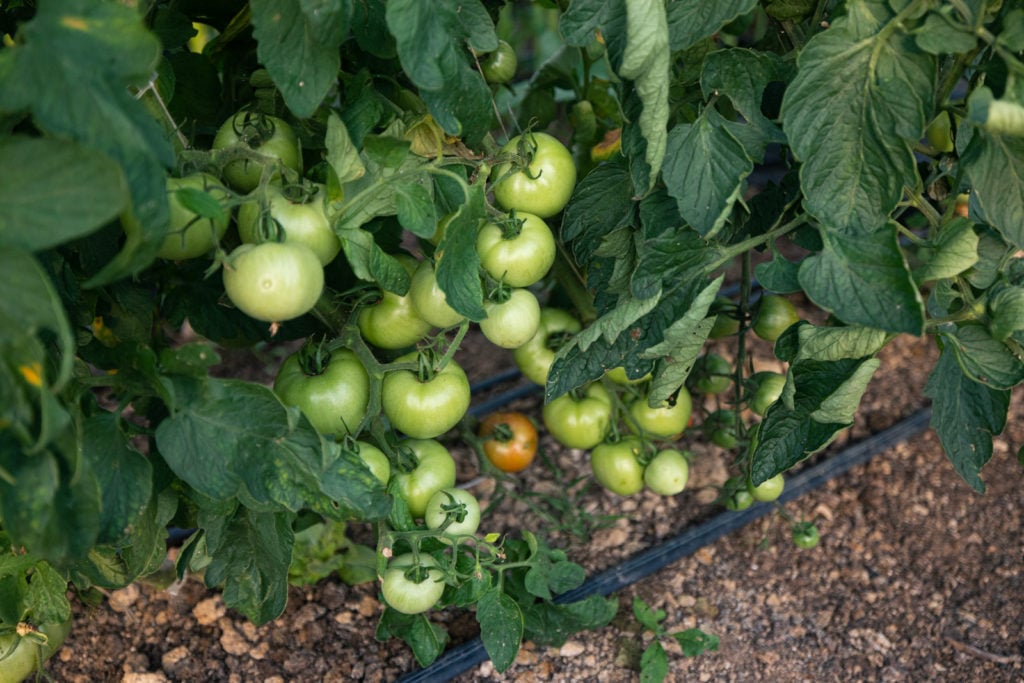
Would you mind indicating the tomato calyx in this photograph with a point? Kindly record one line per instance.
(511, 226)
(314, 357)
(254, 128)
(455, 512)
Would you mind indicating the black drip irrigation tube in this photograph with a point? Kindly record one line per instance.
(463, 657)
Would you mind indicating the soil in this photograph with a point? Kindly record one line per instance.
(917, 578)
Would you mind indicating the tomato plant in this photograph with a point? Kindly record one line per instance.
(580, 421)
(434, 470)
(805, 535)
(331, 388)
(509, 440)
(540, 180)
(412, 584)
(262, 141)
(616, 465)
(273, 281)
(196, 224)
(297, 211)
(427, 402)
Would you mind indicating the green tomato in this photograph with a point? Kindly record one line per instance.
(429, 301)
(435, 470)
(666, 474)
(768, 490)
(774, 316)
(499, 66)
(191, 235)
(722, 426)
(939, 133)
(28, 653)
(712, 374)
(410, 587)
(580, 422)
(268, 135)
(300, 213)
(545, 185)
(425, 408)
(736, 495)
(769, 389)
(519, 255)
(725, 324)
(805, 535)
(619, 376)
(616, 465)
(273, 281)
(534, 358)
(513, 322)
(392, 323)
(375, 460)
(459, 505)
(334, 400)
(668, 420)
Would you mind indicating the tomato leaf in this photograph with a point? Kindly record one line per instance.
(646, 62)
(937, 35)
(551, 624)
(250, 552)
(415, 209)
(965, 415)
(861, 95)
(501, 627)
(431, 41)
(705, 171)
(426, 639)
(863, 279)
(601, 203)
(954, 250)
(981, 357)
(653, 663)
(991, 161)
(695, 642)
(691, 21)
(457, 262)
(298, 44)
(53, 191)
(124, 475)
(342, 154)
(743, 76)
(46, 599)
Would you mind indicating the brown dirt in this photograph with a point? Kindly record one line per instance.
(916, 579)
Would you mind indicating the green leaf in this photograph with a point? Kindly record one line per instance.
(250, 556)
(837, 343)
(705, 171)
(29, 304)
(415, 208)
(938, 36)
(81, 56)
(342, 154)
(646, 62)
(297, 41)
(431, 40)
(230, 438)
(1007, 312)
(861, 97)
(995, 166)
(457, 261)
(864, 280)
(47, 600)
(145, 549)
(426, 639)
(954, 250)
(818, 401)
(653, 664)
(742, 76)
(601, 203)
(695, 642)
(54, 191)
(983, 358)
(124, 475)
(779, 275)
(648, 618)
(965, 415)
(690, 21)
(1012, 35)
(552, 624)
(501, 627)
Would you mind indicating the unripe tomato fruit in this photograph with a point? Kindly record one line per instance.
(268, 135)
(375, 460)
(517, 258)
(668, 420)
(435, 470)
(616, 466)
(393, 322)
(412, 591)
(544, 186)
(273, 281)
(666, 474)
(513, 322)
(499, 66)
(580, 422)
(619, 376)
(21, 662)
(510, 448)
(425, 408)
(334, 401)
(769, 389)
(301, 217)
(429, 301)
(192, 235)
(712, 374)
(769, 489)
(774, 316)
(461, 505)
(534, 358)
(805, 535)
